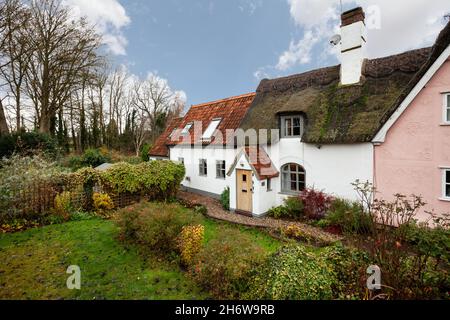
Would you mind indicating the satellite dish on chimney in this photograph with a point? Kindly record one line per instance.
(335, 40)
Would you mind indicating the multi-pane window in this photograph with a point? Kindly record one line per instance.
(447, 108)
(220, 169)
(181, 160)
(292, 126)
(203, 168)
(292, 178)
(446, 186)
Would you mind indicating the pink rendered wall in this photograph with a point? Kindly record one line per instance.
(416, 147)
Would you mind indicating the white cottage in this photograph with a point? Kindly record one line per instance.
(314, 129)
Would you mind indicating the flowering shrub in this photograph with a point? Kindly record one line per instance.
(190, 242)
(315, 203)
(102, 203)
(63, 205)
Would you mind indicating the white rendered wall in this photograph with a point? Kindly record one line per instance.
(332, 168)
(210, 183)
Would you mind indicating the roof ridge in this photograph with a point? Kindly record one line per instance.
(312, 71)
(224, 100)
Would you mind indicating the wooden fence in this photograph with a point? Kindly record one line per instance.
(39, 198)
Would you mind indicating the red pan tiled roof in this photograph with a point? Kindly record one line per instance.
(160, 147)
(261, 163)
(231, 111)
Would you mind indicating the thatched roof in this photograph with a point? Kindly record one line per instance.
(343, 114)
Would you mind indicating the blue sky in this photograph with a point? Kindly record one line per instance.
(212, 49)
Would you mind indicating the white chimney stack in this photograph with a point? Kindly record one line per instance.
(353, 46)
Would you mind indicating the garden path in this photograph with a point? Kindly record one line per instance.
(216, 211)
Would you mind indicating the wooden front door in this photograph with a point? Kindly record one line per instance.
(244, 191)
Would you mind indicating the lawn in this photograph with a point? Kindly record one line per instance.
(33, 264)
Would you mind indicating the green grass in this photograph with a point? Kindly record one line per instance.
(33, 265)
(263, 239)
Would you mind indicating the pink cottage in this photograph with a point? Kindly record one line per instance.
(412, 150)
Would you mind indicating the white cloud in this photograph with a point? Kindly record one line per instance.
(404, 25)
(109, 18)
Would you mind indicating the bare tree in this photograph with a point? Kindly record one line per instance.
(155, 99)
(116, 87)
(8, 8)
(16, 52)
(64, 51)
(140, 132)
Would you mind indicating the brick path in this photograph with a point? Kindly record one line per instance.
(216, 211)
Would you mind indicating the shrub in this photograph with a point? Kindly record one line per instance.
(411, 261)
(123, 178)
(159, 180)
(349, 216)
(28, 144)
(222, 267)
(292, 273)
(19, 174)
(278, 212)
(190, 243)
(349, 269)
(102, 203)
(63, 205)
(156, 227)
(295, 232)
(292, 209)
(94, 158)
(315, 203)
(225, 199)
(145, 150)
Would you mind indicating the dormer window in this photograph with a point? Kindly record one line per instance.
(211, 129)
(186, 129)
(292, 126)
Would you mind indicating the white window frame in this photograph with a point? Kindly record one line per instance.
(212, 127)
(284, 129)
(445, 183)
(446, 109)
(299, 173)
(181, 160)
(203, 168)
(221, 171)
(187, 128)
